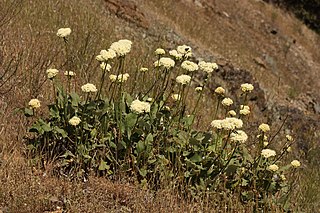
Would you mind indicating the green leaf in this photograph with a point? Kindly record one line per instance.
(61, 131)
(140, 146)
(28, 112)
(196, 158)
(149, 139)
(75, 99)
(103, 166)
(143, 172)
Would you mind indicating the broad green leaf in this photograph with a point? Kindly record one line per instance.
(28, 112)
(61, 131)
(196, 158)
(140, 146)
(103, 166)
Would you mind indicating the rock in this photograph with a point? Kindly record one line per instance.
(260, 62)
(128, 11)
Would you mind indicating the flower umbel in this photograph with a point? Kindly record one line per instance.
(51, 73)
(268, 153)
(121, 47)
(264, 128)
(74, 121)
(160, 51)
(247, 87)
(183, 79)
(189, 66)
(227, 102)
(295, 163)
(273, 168)
(63, 32)
(140, 106)
(89, 88)
(34, 103)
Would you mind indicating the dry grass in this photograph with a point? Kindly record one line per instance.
(29, 46)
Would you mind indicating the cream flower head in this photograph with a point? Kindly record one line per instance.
(189, 66)
(232, 113)
(140, 106)
(184, 50)
(183, 79)
(63, 32)
(74, 121)
(69, 73)
(219, 90)
(289, 138)
(268, 153)
(108, 54)
(247, 87)
(198, 89)
(121, 47)
(295, 163)
(34, 103)
(51, 73)
(165, 62)
(120, 78)
(160, 51)
(244, 110)
(99, 58)
(227, 102)
(264, 128)
(239, 136)
(273, 168)
(207, 67)
(175, 54)
(143, 69)
(105, 67)
(89, 88)
(175, 97)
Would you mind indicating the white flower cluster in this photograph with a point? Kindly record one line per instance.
(143, 69)
(189, 66)
(247, 87)
(289, 138)
(268, 153)
(89, 88)
(295, 163)
(227, 102)
(239, 136)
(160, 51)
(34, 103)
(273, 168)
(244, 110)
(69, 73)
(51, 73)
(264, 128)
(121, 47)
(140, 106)
(198, 89)
(74, 121)
(120, 78)
(165, 62)
(232, 113)
(105, 55)
(219, 90)
(105, 67)
(207, 66)
(175, 97)
(183, 79)
(184, 50)
(175, 54)
(227, 123)
(63, 32)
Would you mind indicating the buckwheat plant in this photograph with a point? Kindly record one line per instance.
(150, 135)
